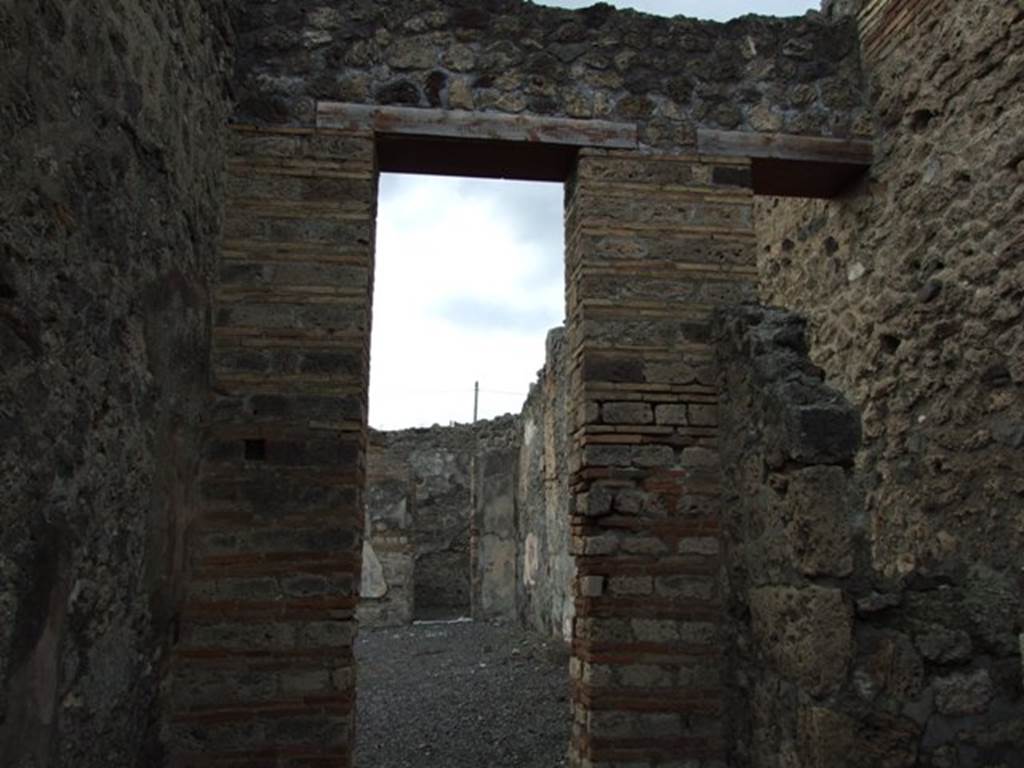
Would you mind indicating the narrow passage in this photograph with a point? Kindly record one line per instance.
(461, 695)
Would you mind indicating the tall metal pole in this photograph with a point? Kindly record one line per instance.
(476, 399)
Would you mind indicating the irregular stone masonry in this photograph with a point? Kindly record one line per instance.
(669, 76)
(431, 497)
(111, 195)
(833, 663)
(263, 666)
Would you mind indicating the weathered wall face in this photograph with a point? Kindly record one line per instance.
(263, 663)
(111, 153)
(386, 592)
(669, 76)
(493, 526)
(833, 664)
(546, 569)
(439, 501)
(653, 245)
(792, 536)
(914, 286)
(440, 507)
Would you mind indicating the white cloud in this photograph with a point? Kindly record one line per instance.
(464, 291)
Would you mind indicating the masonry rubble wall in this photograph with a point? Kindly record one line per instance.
(111, 155)
(913, 283)
(546, 570)
(833, 662)
(670, 76)
(433, 509)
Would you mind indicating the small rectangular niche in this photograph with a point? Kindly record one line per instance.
(256, 449)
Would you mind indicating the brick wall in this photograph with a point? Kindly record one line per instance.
(263, 666)
(653, 244)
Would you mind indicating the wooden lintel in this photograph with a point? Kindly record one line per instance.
(477, 126)
(793, 166)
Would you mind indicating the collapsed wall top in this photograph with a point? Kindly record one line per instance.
(669, 76)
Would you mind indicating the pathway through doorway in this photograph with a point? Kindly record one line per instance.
(461, 695)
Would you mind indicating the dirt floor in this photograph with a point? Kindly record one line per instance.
(461, 695)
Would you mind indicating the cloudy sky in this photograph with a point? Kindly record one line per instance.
(469, 276)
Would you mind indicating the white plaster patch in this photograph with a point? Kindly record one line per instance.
(531, 561)
(373, 585)
(529, 431)
(856, 272)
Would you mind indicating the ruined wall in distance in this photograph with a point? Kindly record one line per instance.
(475, 516)
(387, 591)
(424, 487)
(545, 564)
(799, 75)
(914, 286)
(111, 154)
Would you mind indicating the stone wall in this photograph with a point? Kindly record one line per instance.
(914, 286)
(474, 518)
(493, 528)
(387, 590)
(546, 569)
(111, 154)
(834, 663)
(508, 56)
(429, 519)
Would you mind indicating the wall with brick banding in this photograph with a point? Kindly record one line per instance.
(263, 669)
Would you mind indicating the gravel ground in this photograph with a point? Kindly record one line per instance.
(461, 695)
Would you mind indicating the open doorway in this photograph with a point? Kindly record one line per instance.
(462, 660)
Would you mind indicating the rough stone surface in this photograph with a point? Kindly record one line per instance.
(772, 571)
(927, 343)
(806, 633)
(111, 154)
(461, 696)
(913, 284)
(899, 681)
(546, 568)
(798, 75)
(422, 498)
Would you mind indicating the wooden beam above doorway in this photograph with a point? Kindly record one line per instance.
(478, 126)
(793, 166)
(530, 147)
(461, 143)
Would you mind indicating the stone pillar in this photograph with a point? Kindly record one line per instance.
(263, 669)
(653, 244)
